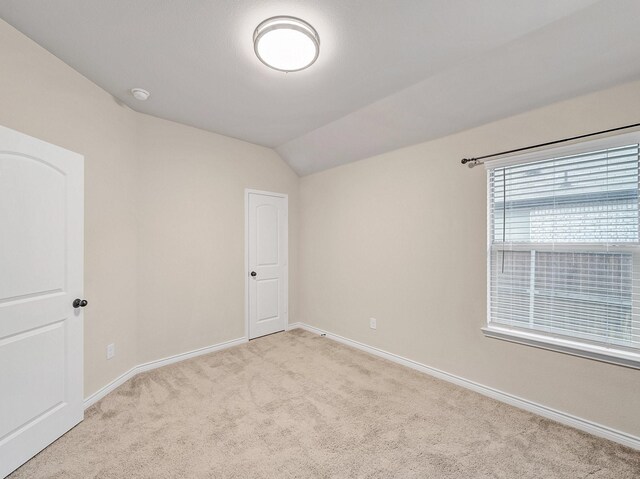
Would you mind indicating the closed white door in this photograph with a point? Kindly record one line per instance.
(267, 259)
(41, 261)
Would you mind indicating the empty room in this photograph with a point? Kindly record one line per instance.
(260, 239)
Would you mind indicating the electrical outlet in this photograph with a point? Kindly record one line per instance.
(111, 351)
(373, 323)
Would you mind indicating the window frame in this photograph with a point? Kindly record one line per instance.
(614, 354)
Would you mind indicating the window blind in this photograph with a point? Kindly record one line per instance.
(563, 247)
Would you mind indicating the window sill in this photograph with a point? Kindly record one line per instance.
(566, 346)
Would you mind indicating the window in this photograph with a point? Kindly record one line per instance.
(564, 256)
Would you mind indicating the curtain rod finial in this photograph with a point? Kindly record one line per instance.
(470, 161)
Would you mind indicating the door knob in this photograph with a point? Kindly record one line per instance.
(253, 273)
(79, 303)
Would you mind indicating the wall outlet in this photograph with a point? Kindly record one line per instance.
(111, 351)
(373, 323)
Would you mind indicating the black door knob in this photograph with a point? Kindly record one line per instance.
(253, 273)
(79, 303)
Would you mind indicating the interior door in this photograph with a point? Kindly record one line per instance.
(267, 261)
(41, 269)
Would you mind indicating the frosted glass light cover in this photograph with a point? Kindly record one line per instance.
(286, 43)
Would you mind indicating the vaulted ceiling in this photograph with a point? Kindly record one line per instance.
(390, 73)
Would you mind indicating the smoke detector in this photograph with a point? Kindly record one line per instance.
(140, 94)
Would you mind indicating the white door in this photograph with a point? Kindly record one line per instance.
(267, 254)
(41, 261)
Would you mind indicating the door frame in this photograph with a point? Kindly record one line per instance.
(247, 192)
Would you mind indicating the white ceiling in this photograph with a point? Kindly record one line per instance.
(390, 73)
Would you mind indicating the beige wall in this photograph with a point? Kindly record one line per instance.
(164, 212)
(191, 234)
(402, 237)
(43, 97)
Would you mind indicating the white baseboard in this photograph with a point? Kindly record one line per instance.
(544, 411)
(120, 380)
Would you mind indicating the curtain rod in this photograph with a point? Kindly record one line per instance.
(478, 160)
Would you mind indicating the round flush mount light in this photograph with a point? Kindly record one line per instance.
(140, 94)
(287, 44)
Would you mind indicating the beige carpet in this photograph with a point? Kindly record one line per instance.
(296, 405)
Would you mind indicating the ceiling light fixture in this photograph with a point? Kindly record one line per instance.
(140, 94)
(287, 44)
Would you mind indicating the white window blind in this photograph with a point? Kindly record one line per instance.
(563, 247)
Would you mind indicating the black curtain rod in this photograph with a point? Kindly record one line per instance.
(474, 161)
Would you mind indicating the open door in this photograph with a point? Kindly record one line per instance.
(41, 274)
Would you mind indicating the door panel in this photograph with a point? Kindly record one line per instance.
(41, 263)
(40, 380)
(267, 258)
(32, 263)
(267, 301)
(267, 235)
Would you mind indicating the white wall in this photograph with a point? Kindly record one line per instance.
(402, 237)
